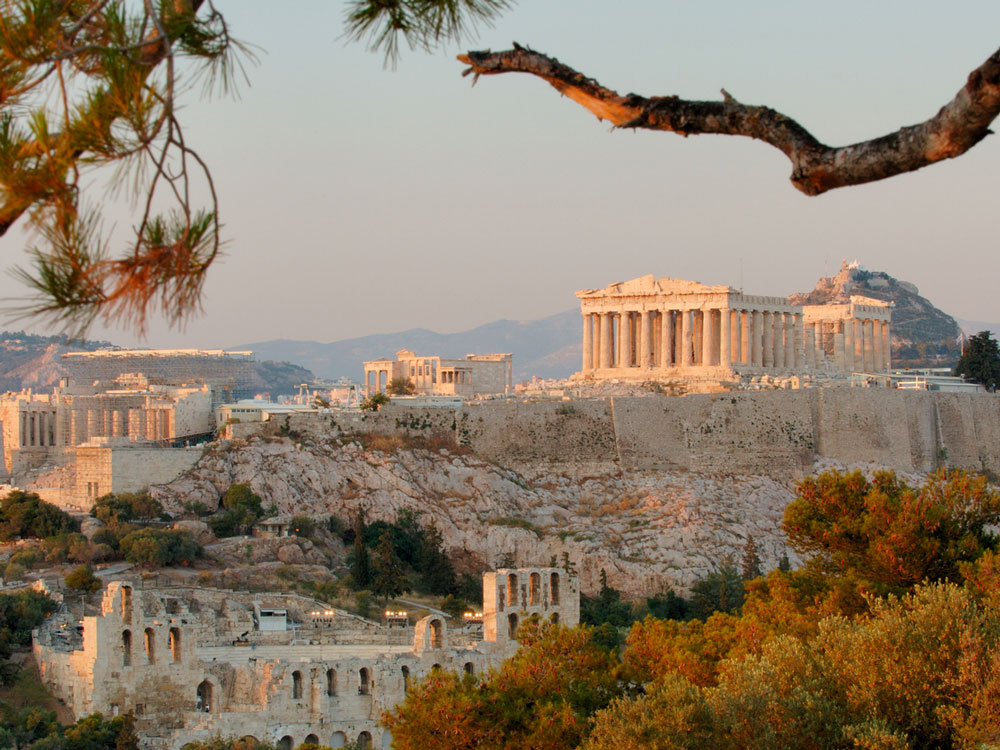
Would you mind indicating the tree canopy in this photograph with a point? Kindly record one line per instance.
(980, 360)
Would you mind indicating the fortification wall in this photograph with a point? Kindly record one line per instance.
(778, 433)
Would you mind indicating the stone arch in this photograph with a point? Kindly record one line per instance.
(331, 682)
(364, 741)
(554, 588)
(296, 684)
(204, 697)
(150, 642)
(512, 626)
(512, 589)
(437, 634)
(246, 742)
(554, 618)
(406, 679)
(126, 648)
(175, 645)
(338, 739)
(469, 668)
(364, 681)
(311, 739)
(534, 589)
(286, 743)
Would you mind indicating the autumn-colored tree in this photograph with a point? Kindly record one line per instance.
(540, 698)
(83, 579)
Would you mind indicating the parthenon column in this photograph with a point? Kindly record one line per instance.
(886, 346)
(686, 339)
(800, 344)
(767, 343)
(849, 346)
(840, 345)
(737, 335)
(789, 341)
(779, 341)
(869, 335)
(745, 355)
(667, 332)
(877, 365)
(725, 338)
(646, 341)
(606, 341)
(708, 340)
(810, 346)
(622, 340)
(588, 343)
(758, 338)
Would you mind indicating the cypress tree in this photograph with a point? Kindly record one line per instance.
(361, 567)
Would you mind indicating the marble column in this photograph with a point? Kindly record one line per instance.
(737, 335)
(758, 338)
(588, 343)
(840, 346)
(745, 339)
(767, 343)
(597, 343)
(849, 346)
(810, 346)
(869, 335)
(644, 358)
(789, 341)
(606, 341)
(707, 339)
(686, 339)
(667, 331)
(622, 340)
(877, 365)
(800, 342)
(779, 341)
(886, 346)
(725, 338)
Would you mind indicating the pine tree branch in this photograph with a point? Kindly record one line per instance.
(816, 167)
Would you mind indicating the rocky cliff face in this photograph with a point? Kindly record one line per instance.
(922, 335)
(649, 530)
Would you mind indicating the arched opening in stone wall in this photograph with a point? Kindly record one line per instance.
(204, 697)
(535, 589)
(246, 742)
(436, 634)
(296, 684)
(364, 741)
(126, 648)
(435, 667)
(469, 668)
(406, 679)
(512, 626)
(554, 588)
(512, 589)
(150, 646)
(286, 743)
(364, 686)
(338, 739)
(331, 682)
(175, 645)
(311, 739)
(554, 618)
(127, 605)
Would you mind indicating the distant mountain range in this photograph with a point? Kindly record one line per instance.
(549, 347)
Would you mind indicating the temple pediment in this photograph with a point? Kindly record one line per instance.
(649, 284)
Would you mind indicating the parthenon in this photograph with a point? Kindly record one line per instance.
(648, 328)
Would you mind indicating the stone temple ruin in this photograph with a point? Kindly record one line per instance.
(651, 328)
(192, 663)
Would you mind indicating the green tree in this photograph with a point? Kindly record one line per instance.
(980, 360)
(83, 579)
(25, 514)
(401, 387)
(154, 548)
(437, 574)
(750, 566)
(388, 577)
(374, 402)
(126, 507)
(606, 607)
(361, 571)
(302, 525)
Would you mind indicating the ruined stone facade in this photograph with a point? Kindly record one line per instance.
(194, 663)
(476, 375)
(651, 328)
(34, 425)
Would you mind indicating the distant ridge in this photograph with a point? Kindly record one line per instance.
(549, 347)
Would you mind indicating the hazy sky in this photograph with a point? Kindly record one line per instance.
(359, 200)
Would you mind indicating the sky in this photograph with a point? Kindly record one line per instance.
(357, 199)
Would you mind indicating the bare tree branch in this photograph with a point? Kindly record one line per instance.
(816, 167)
